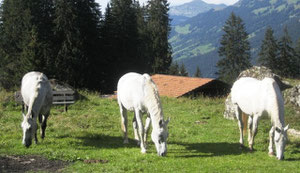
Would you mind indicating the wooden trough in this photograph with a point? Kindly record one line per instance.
(63, 97)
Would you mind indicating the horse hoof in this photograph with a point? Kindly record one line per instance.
(242, 146)
(125, 141)
(143, 151)
(271, 154)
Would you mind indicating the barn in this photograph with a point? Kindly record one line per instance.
(179, 86)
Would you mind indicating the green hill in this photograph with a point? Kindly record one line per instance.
(195, 42)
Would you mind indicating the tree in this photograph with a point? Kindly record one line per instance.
(297, 50)
(159, 27)
(288, 64)
(26, 35)
(174, 69)
(77, 28)
(198, 72)
(182, 70)
(269, 51)
(235, 50)
(124, 39)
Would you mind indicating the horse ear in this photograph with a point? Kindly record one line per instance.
(167, 122)
(286, 128)
(160, 123)
(278, 129)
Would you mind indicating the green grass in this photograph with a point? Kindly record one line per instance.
(203, 49)
(200, 139)
(281, 7)
(183, 29)
(260, 10)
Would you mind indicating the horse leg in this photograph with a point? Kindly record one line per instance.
(24, 108)
(254, 131)
(147, 125)
(140, 129)
(35, 132)
(250, 123)
(34, 128)
(124, 123)
(238, 114)
(43, 122)
(271, 136)
(135, 130)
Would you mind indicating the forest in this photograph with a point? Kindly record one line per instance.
(74, 42)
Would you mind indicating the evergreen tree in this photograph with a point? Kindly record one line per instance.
(159, 27)
(25, 38)
(124, 40)
(198, 72)
(269, 51)
(297, 48)
(174, 69)
(16, 24)
(89, 16)
(40, 37)
(297, 51)
(77, 28)
(182, 70)
(287, 59)
(235, 50)
(144, 41)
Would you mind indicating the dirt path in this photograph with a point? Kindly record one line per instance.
(30, 163)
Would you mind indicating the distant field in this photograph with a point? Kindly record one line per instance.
(89, 137)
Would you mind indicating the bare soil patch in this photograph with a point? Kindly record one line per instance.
(30, 163)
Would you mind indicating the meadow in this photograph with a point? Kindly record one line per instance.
(89, 138)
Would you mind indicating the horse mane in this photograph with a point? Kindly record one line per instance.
(278, 105)
(152, 100)
(40, 79)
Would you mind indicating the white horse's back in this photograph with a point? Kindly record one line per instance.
(36, 88)
(254, 96)
(131, 90)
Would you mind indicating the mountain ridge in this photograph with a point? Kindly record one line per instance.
(185, 11)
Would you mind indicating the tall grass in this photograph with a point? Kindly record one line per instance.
(200, 139)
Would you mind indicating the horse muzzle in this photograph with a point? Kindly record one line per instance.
(163, 154)
(27, 144)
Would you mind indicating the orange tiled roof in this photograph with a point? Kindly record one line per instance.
(176, 86)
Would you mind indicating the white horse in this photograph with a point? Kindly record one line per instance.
(254, 97)
(37, 97)
(138, 93)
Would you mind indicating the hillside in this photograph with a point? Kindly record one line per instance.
(196, 41)
(183, 12)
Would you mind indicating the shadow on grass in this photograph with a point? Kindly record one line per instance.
(210, 149)
(104, 141)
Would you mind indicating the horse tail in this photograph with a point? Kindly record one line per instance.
(244, 120)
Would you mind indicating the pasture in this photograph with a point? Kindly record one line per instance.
(89, 138)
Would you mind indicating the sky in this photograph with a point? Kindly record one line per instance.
(103, 3)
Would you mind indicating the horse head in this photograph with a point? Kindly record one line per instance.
(28, 127)
(159, 137)
(280, 139)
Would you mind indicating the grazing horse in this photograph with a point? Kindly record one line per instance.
(254, 97)
(37, 97)
(138, 93)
